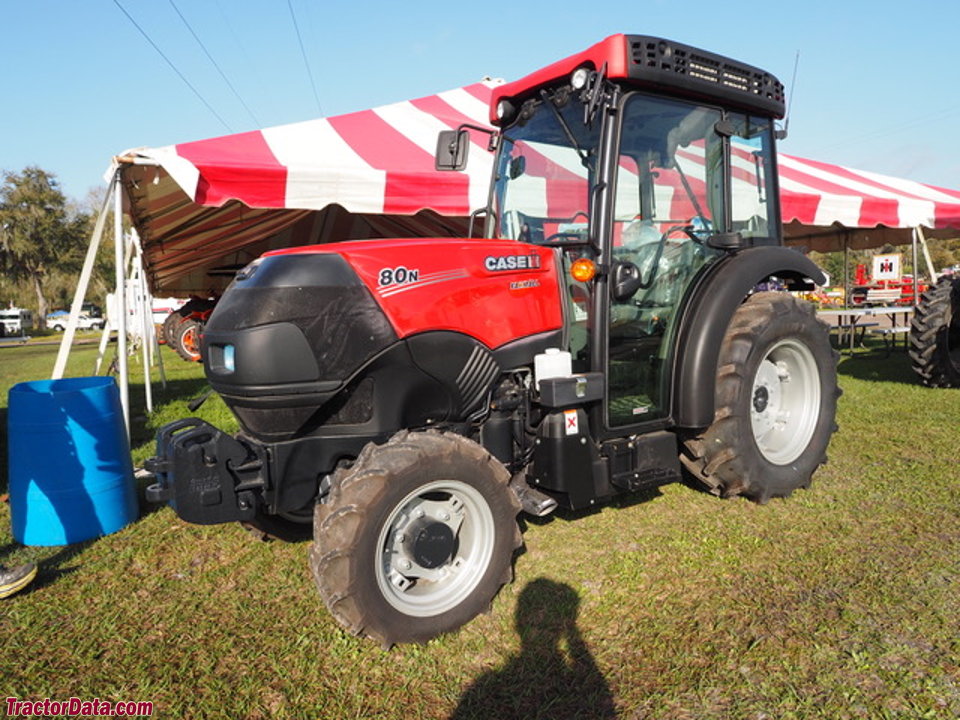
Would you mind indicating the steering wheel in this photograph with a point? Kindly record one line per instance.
(568, 233)
(685, 229)
(577, 237)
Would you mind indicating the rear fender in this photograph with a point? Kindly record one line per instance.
(705, 319)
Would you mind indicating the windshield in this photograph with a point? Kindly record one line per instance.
(545, 171)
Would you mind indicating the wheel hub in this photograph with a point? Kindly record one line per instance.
(433, 545)
(761, 396)
(434, 548)
(785, 401)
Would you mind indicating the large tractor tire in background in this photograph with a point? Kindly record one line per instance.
(415, 538)
(168, 331)
(195, 307)
(187, 340)
(935, 334)
(776, 401)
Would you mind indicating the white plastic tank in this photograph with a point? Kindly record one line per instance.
(551, 363)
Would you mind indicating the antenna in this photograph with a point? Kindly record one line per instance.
(782, 132)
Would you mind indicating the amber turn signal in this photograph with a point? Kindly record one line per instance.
(583, 270)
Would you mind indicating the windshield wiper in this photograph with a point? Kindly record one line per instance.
(584, 155)
(690, 194)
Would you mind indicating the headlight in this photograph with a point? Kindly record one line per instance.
(579, 78)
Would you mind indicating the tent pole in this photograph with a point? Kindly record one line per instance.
(121, 294)
(101, 351)
(926, 256)
(846, 271)
(159, 356)
(67, 341)
(916, 269)
(145, 339)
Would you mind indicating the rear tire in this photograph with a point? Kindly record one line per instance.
(776, 400)
(415, 538)
(187, 342)
(935, 335)
(168, 333)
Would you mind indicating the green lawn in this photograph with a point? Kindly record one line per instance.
(840, 602)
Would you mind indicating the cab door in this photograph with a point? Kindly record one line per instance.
(668, 200)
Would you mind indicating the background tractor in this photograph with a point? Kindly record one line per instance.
(935, 334)
(622, 324)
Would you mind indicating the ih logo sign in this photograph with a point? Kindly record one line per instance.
(886, 267)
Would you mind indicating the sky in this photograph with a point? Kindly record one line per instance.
(876, 87)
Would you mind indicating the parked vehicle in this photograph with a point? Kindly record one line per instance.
(16, 321)
(867, 292)
(182, 328)
(624, 324)
(59, 321)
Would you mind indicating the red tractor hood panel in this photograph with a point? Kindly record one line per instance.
(493, 290)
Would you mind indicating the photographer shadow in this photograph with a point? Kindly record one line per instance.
(554, 675)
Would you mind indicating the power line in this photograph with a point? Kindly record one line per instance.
(210, 58)
(172, 66)
(252, 71)
(303, 52)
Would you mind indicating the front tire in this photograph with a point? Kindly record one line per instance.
(935, 335)
(776, 399)
(416, 537)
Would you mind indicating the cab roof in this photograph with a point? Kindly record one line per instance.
(664, 65)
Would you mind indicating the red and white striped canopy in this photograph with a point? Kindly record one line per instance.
(202, 208)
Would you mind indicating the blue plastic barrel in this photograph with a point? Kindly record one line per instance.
(71, 477)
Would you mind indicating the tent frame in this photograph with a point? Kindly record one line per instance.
(125, 253)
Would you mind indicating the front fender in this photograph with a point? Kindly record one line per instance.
(705, 319)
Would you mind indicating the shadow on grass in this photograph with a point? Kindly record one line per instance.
(554, 670)
(878, 368)
(51, 569)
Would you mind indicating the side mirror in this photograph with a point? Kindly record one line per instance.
(626, 280)
(452, 147)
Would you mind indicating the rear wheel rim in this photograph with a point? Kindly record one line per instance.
(188, 340)
(435, 548)
(785, 402)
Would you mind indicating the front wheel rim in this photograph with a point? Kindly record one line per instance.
(434, 548)
(785, 401)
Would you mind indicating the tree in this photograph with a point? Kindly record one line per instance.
(39, 237)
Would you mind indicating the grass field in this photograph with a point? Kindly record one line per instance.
(840, 602)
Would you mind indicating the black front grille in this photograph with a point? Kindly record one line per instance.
(475, 378)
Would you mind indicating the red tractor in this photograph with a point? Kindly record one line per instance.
(623, 324)
(183, 327)
(867, 292)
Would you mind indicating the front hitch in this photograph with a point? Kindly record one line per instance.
(206, 475)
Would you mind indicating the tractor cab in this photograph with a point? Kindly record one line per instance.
(648, 161)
